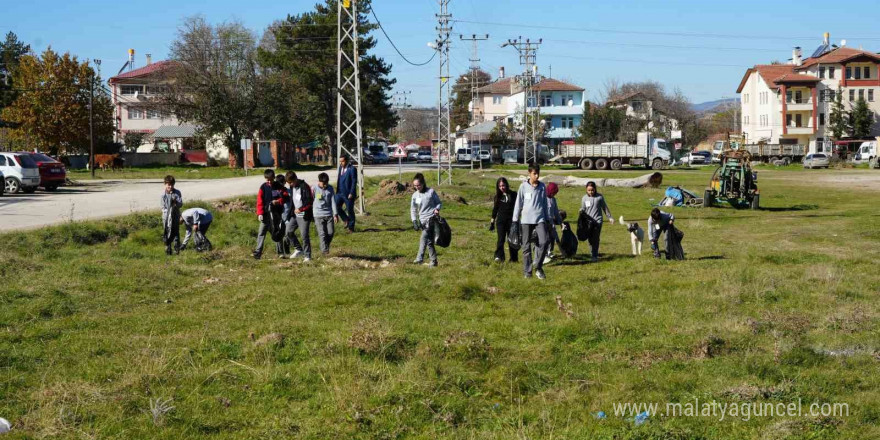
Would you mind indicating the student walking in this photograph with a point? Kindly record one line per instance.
(270, 206)
(300, 218)
(593, 205)
(325, 211)
(197, 221)
(555, 219)
(347, 188)
(279, 216)
(531, 211)
(502, 218)
(171, 201)
(425, 204)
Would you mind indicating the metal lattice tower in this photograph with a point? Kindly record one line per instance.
(527, 58)
(444, 28)
(475, 67)
(348, 93)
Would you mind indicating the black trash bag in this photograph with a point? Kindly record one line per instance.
(442, 232)
(674, 251)
(585, 226)
(514, 237)
(568, 243)
(276, 224)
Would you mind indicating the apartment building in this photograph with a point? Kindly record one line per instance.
(791, 103)
(561, 103)
(134, 96)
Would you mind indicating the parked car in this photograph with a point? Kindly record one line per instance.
(3, 185)
(485, 155)
(707, 155)
(20, 172)
(463, 155)
(52, 172)
(412, 156)
(816, 160)
(380, 157)
(425, 157)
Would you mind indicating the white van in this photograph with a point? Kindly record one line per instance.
(866, 152)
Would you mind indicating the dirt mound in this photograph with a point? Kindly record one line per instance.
(389, 189)
(231, 206)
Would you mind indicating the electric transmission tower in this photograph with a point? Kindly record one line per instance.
(475, 67)
(444, 28)
(527, 58)
(348, 93)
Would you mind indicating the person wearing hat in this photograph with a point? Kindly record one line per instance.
(593, 205)
(554, 220)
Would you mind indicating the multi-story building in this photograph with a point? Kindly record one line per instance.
(135, 108)
(638, 106)
(561, 103)
(791, 103)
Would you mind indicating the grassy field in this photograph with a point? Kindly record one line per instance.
(103, 336)
(181, 171)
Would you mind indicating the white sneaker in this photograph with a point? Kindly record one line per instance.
(282, 256)
(547, 259)
(307, 260)
(295, 254)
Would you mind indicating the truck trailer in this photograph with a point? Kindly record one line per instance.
(647, 152)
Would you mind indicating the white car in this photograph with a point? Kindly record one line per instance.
(20, 172)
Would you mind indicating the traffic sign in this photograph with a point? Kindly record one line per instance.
(399, 152)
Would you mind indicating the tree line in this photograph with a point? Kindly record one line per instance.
(223, 79)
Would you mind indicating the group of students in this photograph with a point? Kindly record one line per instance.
(287, 205)
(534, 211)
(196, 220)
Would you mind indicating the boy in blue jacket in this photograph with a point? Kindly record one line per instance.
(346, 190)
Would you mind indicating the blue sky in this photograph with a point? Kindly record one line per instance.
(702, 47)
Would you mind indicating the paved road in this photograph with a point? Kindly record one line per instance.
(107, 198)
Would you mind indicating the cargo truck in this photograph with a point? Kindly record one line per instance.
(647, 152)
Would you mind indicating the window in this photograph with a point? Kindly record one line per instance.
(830, 95)
(867, 74)
(788, 96)
(571, 122)
(822, 72)
(135, 113)
(831, 73)
(546, 101)
(788, 119)
(496, 99)
(2, 160)
(745, 100)
(821, 118)
(870, 95)
(154, 89)
(861, 94)
(852, 94)
(849, 73)
(857, 72)
(129, 90)
(154, 114)
(637, 105)
(745, 120)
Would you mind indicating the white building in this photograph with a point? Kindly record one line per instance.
(791, 103)
(561, 103)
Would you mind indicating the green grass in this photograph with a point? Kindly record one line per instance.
(772, 306)
(179, 171)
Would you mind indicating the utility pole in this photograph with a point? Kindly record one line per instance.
(444, 28)
(92, 125)
(399, 99)
(475, 67)
(348, 93)
(527, 57)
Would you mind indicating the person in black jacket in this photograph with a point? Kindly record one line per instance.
(502, 218)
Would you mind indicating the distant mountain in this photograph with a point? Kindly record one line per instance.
(710, 106)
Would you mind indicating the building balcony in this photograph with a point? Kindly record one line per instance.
(799, 130)
(799, 104)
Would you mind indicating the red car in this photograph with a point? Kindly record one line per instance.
(52, 172)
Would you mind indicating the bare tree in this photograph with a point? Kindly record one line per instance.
(214, 83)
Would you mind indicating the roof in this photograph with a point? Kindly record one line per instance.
(144, 71)
(482, 128)
(839, 55)
(555, 85)
(175, 131)
(625, 97)
(770, 73)
(795, 78)
(500, 86)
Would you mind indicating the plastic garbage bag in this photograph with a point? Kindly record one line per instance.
(585, 226)
(442, 232)
(514, 237)
(674, 251)
(568, 243)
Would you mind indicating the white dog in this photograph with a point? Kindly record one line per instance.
(636, 236)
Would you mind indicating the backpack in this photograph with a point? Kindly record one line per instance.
(442, 232)
(585, 226)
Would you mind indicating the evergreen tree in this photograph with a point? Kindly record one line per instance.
(837, 121)
(861, 119)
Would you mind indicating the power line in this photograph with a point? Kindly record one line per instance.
(373, 11)
(655, 33)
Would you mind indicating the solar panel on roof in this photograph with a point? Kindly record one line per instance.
(821, 50)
